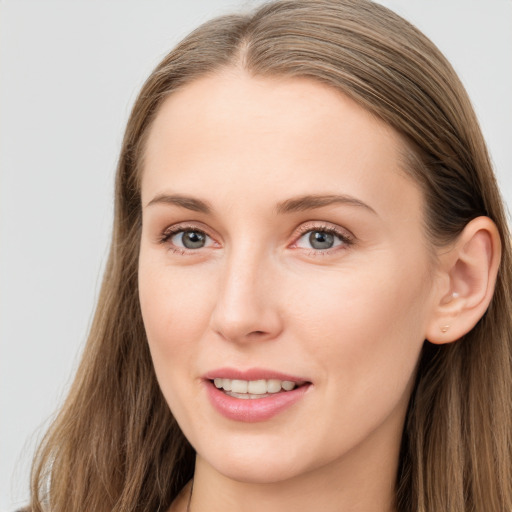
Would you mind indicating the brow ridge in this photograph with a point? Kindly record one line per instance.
(190, 203)
(294, 204)
(313, 201)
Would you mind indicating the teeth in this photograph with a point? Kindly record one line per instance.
(273, 386)
(257, 387)
(254, 387)
(238, 386)
(288, 385)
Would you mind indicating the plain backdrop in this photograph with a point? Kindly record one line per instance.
(70, 71)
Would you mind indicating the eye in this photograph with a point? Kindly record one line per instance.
(190, 239)
(184, 239)
(322, 239)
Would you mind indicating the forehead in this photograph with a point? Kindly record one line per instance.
(236, 135)
(270, 110)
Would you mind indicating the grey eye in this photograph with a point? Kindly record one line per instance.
(321, 240)
(189, 239)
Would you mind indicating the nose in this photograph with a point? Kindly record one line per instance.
(246, 308)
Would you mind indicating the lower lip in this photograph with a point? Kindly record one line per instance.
(253, 409)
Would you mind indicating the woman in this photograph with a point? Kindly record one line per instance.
(307, 301)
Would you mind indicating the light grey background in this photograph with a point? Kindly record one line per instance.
(70, 71)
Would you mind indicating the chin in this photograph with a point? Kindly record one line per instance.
(268, 473)
(257, 467)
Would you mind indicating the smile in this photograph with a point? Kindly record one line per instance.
(253, 395)
(253, 389)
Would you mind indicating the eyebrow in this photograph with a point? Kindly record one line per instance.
(310, 202)
(190, 203)
(294, 204)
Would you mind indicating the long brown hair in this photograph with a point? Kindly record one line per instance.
(115, 445)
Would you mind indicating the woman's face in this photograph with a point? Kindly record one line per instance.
(281, 241)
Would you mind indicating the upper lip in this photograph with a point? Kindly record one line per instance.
(251, 374)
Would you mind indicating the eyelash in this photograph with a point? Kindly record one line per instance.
(346, 239)
(180, 228)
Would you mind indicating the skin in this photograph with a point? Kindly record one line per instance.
(351, 319)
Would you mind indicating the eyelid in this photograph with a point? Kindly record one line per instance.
(346, 237)
(165, 236)
(342, 233)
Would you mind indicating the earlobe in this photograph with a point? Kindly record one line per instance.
(467, 273)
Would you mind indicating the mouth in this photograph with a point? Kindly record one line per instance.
(254, 395)
(255, 389)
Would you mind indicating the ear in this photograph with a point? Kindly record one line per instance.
(465, 281)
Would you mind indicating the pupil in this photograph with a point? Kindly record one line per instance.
(321, 240)
(193, 239)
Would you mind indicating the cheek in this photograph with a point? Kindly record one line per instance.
(364, 334)
(175, 307)
(365, 327)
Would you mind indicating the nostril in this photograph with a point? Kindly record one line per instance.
(257, 334)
